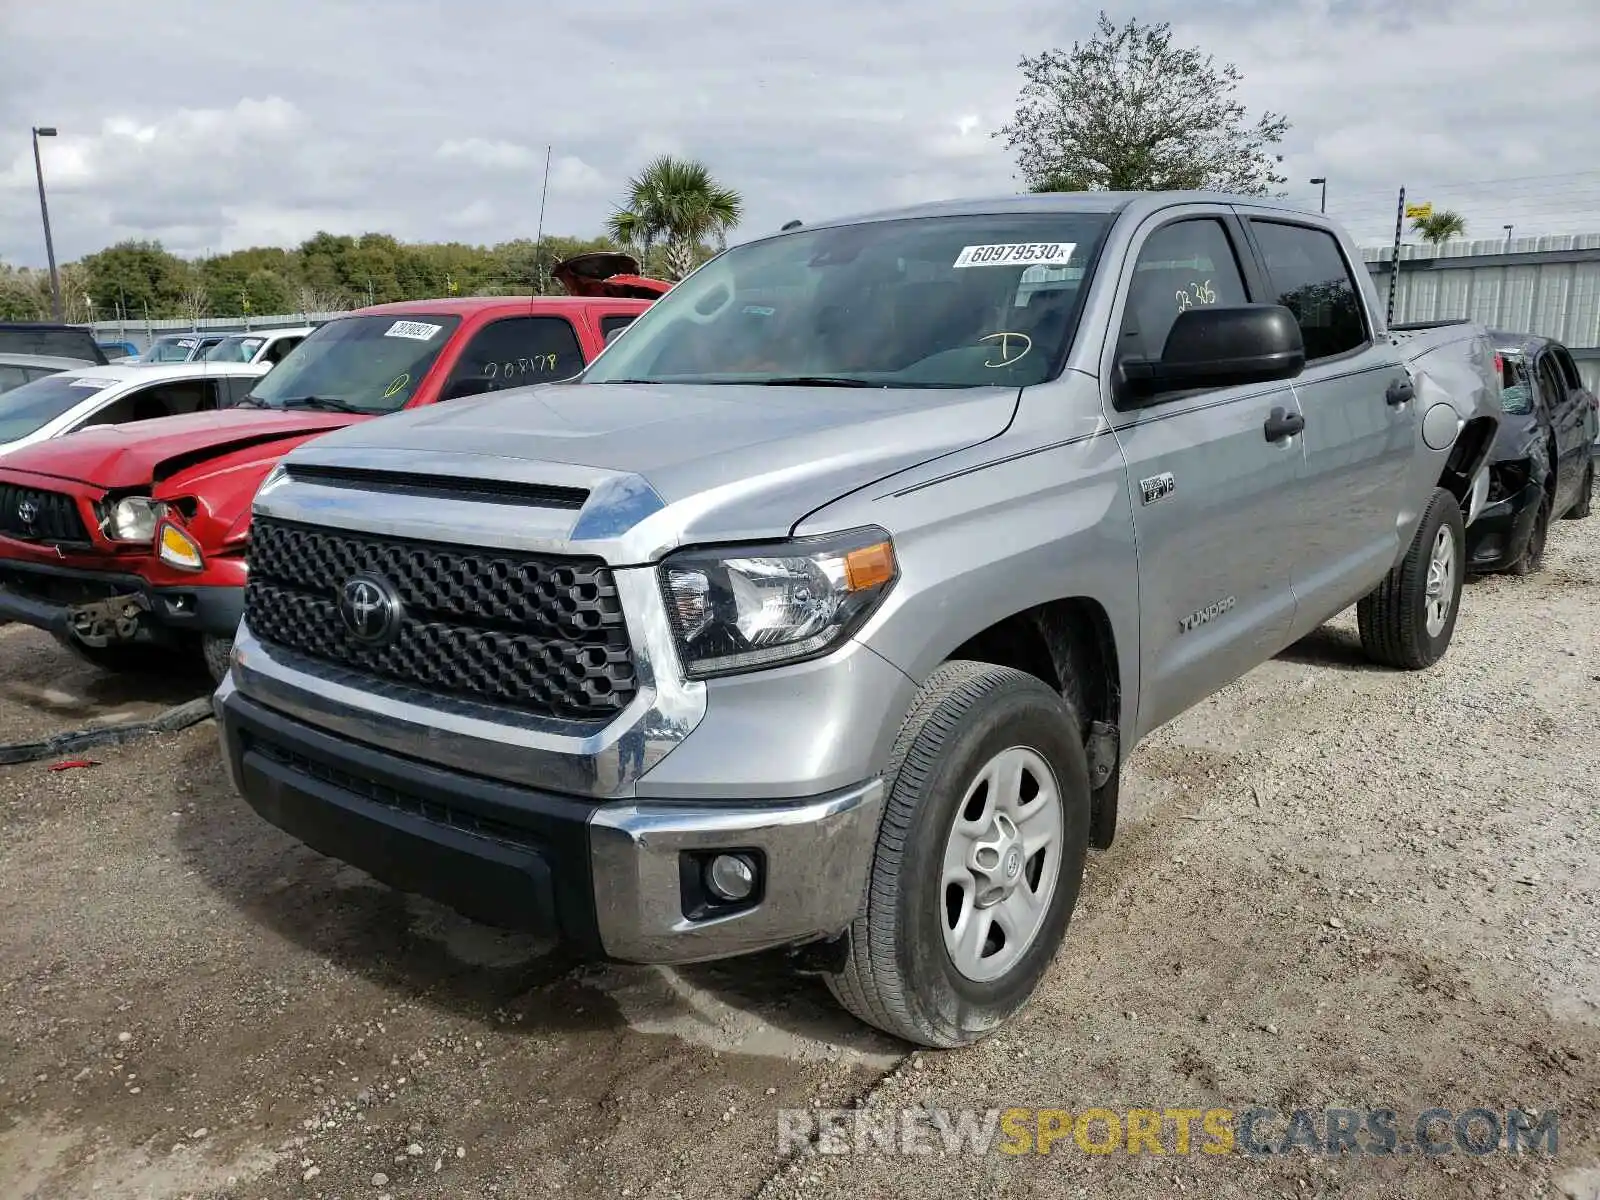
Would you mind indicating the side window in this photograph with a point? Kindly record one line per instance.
(280, 348)
(159, 400)
(1312, 280)
(515, 352)
(1552, 388)
(614, 324)
(1567, 368)
(1184, 265)
(11, 377)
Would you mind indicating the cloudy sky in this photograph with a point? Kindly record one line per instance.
(213, 126)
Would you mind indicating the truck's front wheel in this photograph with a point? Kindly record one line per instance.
(979, 858)
(1407, 620)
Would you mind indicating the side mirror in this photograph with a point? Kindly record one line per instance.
(1219, 347)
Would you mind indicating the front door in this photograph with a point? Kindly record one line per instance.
(1358, 445)
(1569, 425)
(1214, 517)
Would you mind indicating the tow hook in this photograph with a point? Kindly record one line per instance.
(106, 621)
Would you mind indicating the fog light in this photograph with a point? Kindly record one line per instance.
(731, 876)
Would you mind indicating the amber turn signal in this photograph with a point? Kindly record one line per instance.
(869, 567)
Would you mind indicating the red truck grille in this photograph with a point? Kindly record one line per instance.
(34, 515)
(542, 633)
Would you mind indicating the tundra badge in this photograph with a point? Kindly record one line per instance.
(1202, 615)
(1157, 487)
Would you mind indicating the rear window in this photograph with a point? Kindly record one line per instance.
(235, 349)
(32, 406)
(57, 341)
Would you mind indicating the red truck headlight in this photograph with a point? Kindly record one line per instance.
(134, 519)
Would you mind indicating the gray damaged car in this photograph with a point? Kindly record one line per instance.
(823, 609)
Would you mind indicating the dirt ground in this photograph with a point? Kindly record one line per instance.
(1334, 885)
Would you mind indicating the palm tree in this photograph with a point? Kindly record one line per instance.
(677, 202)
(1440, 226)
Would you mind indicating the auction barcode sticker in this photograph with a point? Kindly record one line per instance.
(420, 330)
(1011, 254)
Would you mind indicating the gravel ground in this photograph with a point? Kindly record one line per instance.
(1335, 885)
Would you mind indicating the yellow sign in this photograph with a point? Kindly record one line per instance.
(1419, 211)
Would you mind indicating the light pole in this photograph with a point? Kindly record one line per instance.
(40, 131)
(1323, 180)
(1508, 229)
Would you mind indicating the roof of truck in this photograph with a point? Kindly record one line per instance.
(1062, 202)
(464, 306)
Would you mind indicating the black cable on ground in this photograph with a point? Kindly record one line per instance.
(173, 719)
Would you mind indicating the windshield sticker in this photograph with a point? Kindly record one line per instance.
(396, 385)
(93, 384)
(1008, 349)
(419, 331)
(759, 310)
(1009, 254)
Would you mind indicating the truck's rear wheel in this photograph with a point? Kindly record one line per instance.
(979, 858)
(1407, 620)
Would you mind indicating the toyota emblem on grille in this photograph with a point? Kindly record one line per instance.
(28, 513)
(370, 609)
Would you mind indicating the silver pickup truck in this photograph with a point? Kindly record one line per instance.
(822, 610)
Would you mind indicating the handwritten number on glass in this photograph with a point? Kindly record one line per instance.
(1196, 293)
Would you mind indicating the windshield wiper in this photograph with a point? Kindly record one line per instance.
(324, 402)
(252, 401)
(817, 381)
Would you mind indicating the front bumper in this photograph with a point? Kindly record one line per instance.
(1500, 534)
(614, 879)
(46, 596)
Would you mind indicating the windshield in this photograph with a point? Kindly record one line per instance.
(234, 349)
(170, 350)
(1516, 398)
(922, 302)
(368, 364)
(32, 406)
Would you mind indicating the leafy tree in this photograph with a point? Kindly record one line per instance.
(267, 292)
(136, 278)
(677, 203)
(1440, 226)
(1129, 111)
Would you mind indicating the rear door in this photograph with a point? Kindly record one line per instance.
(1214, 517)
(1569, 421)
(1358, 445)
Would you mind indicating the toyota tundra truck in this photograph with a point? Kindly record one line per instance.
(822, 610)
(127, 541)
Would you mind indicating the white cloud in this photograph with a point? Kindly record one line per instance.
(481, 152)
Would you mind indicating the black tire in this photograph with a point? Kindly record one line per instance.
(1531, 560)
(1392, 617)
(898, 975)
(218, 652)
(127, 658)
(1585, 501)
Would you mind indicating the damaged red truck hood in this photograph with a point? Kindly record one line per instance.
(150, 452)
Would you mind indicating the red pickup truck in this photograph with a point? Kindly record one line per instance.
(127, 542)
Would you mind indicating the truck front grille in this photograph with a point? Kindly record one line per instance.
(542, 633)
(33, 515)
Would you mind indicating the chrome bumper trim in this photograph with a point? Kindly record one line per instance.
(818, 859)
(501, 743)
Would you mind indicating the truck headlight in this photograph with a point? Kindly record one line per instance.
(740, 608)
(133, 519)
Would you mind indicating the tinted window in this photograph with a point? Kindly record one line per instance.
(370, 363)
(279, 349)
(514, 353)
(11, 377)
(1552, 388)
(615, 323)
(34, 405)
(1567, 368)
(235, 389)
(915, 302)
(1189, 264)
(160, 400)
(1309, 274)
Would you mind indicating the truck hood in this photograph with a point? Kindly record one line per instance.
(149, 452)
(716, 462)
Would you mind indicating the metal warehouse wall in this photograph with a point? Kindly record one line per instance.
(1547, 285)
